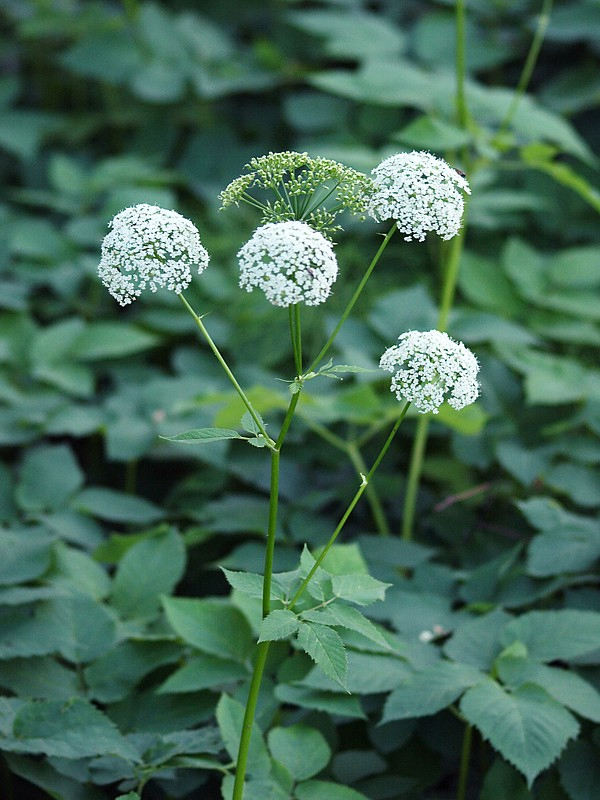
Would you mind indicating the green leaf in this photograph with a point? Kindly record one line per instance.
(278, 625)
(302, 750)
(203, 672)
(317, 790)
(77, 571)
(39, 678)
(432, 133)
(39, 773)
(344, 559)
(50, 475)
(102, 340)
(326, 648)
(114, 674)
(577, 481)
(341, 705)
(200, 435)
(564, 686)
(430, 690)
(579, 770)
(368, 673)
(576, 267)
(503, 780)
(552, 635)
(75, 729)
(477, 641)
(24, 554)
(114, 506)
(527, 727)
(230, 717)
(573, 547)
(129, 796)
(350, 33)
(247, 583)
(150, 568)
(213, 626)
(84, 627)
(348, 617)
(360, 589)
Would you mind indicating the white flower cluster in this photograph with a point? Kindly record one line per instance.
(429, 367)
(149, 246)
(290, 262)
(421, 192)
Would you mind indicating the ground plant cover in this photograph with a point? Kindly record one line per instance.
(299, 400)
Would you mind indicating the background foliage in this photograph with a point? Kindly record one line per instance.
(114, 674)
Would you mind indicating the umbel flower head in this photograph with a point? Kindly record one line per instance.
(311, 190)
(429, 367)
(290, 262)
(149, 246)
(421, 192)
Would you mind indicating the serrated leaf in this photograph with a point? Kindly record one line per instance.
(248, 423)
(430, 690)
(326, 648)
(341, 368)
(348, 617)
(360, 589)
(201, 435)
(75, 729)
(564, 686)
(527, 727)
(278, 624)
(552, 635)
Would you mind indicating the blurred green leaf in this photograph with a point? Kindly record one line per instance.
(114, 506)
(152, 567)
(213, 626)
(50, 475)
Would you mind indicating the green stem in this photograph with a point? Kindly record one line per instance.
(262, 651)
(259, 423)
(296, 334)
(262, 647)
(373, 500)
(325, 349)
(462, 111)
(452, 266)
(528, 66)
(414, 476)
(364, 483)
(464, 763)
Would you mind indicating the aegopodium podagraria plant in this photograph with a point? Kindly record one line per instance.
(290, 257)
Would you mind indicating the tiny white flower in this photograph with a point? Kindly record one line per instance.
(290, 262)
(429, 367)
(426, 636)
(421, 192)
(149, 246)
